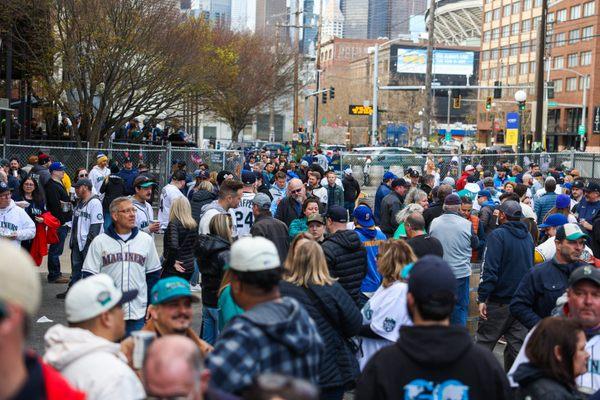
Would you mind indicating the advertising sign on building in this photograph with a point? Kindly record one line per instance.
(447, 62)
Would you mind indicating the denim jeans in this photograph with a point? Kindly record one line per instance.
(54, 253)
(349, 205)
(77, 258)
(210, 325)
(133, 325)
(461, 309)
(196, 275)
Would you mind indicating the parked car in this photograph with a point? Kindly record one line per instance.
(384, 156)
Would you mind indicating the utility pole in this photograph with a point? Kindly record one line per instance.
(296, 52)
(318, 74)
(539, 75)
(429, 73)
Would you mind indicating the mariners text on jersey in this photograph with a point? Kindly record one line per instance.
(108, 259)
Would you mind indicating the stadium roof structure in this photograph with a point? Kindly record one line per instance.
(458, 22)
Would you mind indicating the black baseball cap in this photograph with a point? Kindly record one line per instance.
(4, 187)
(399, 182)
(248, 177)
(578, 184)
(431, 281)
(511, 208)
(587, 272)
(592, 187)
(337, 214)
(221, 176)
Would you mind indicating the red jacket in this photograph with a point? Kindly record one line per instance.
(462, 181)
(45, 234)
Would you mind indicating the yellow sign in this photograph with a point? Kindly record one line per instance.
(512, 137)
(360, 110)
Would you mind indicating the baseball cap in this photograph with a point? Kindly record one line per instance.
(253, 254)
(413, 173)
(94, 295)
(126, 160)
(469, 168)
(485, 193)
(258, 175)
(511, 208)
(570, 231)
(567, 185)
(201, 174)
(248, 177)
(315, 218)
(363, 216)
(592, 187)
(448, 181)
(432, 281)
(348, 171)
(83, 182)
(43, 159)
(452, 200)
(578, 184)
(19, 279)
(337, 214)
(304, 163)
(4, 187)
(563, 201)
(262, 201)
(399, 182)
(56, 166)
(586, 272)
(222, 175)
(143, 181)
(171, 288)
(389, 175)
(554, 221)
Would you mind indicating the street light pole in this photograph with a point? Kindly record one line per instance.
(374, 117)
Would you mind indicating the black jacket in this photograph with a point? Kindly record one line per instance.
(55, 193)
(112, 188)
(212, 253)
(429, 359)
(264, 189)
(351, 188)
(434, 211)
(533, 384)
(347, 260)
(274, 230)
(423, 245)
(286, 211)
(338, 365)
(390, 205)
(199, 200)
(178, 242)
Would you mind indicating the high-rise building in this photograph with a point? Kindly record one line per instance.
(310, 21)
(269, 13)
(333, 22)
(379, 18)
(217, 11)
(356, 18)
(243, 15)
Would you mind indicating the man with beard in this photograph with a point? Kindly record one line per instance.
(290, 207)
(170, 314)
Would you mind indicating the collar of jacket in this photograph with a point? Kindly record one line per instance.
(113, 234)
(152, 326)
(454, 213)
(263, 216)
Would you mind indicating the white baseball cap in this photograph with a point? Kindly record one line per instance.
(469, 168)
(253, 254)
(19, 279)
(94, 295)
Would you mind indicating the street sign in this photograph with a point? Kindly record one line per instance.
(512, 129)
(581, 130)
(355, 109)
(552, 104)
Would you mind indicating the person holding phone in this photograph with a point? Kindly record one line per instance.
(15, 224)
(31, 199)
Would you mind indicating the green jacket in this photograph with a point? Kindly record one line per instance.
(227, 307)
(297, 226)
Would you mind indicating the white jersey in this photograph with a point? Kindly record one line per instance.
(97, 176)
(168, 194)
(86, 214)
(242, 215)
(385, 313)
(143, 214)
(588, 382)
(15, 221)
(127, 262)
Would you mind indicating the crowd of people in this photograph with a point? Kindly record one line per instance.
(308, 287)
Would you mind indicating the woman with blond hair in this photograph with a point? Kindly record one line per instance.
(178, 241)
(430, 169)
(386, 311)
(337, 318)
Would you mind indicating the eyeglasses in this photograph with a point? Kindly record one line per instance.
(83, 175)
(127, 211)
(296, 191)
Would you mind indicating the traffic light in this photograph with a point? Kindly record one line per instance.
(324, 97)
(497, 90)
(331, 92)
(550, 89)
(521, 105)
(488, 103)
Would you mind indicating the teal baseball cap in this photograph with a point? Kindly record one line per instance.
(171, 288)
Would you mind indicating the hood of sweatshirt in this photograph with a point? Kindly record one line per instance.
(202, 195)
(8, 209)
(527, 373)
(66, 345)
(434, 346)
(347, 239)
(209, 244)
(515, 228)
(214, 205)
(285, 322)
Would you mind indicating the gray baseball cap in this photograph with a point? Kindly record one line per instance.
(83, 182)
(262, 201)
(511, 208)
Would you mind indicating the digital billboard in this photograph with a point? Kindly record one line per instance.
(445, 62)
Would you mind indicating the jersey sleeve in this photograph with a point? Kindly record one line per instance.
(96, 212)
(152, 261)
(93, 259)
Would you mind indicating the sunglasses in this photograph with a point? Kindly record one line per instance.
(295, 191)
(82, 175)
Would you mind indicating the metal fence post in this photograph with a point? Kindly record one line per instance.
(572, 158)
(459, 161)
(87, 155)
(223, 160)
(168, 156)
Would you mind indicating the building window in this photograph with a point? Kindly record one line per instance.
(525, 46)
(512, 70)
(537, 3)
(559, 62)
(493, 73)
(561, 15)
(506, 10)
(574, 36)
(532, 67)
(485, 55)
(523, 68)
(494, 54)
(495, 33)
(514, 50)
(586, 58)
(487, 36)
(571, 84)
(516, 7)
(576, 12)
(484, 74)
(572, 60)
(536, 22)
(506, 31)
(504, 52)
(526, 25)
(558, 85)
(589, 9)
(503, 71)
(514, 28)
(496, 14)
(488, 16)
(559, 39)
(584, 80)
(587, 33)
(551, 17)
(526, 5)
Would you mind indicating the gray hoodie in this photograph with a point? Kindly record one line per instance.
(206, 215)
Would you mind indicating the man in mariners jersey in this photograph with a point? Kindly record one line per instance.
(129, 256)
(242, 215)
(168, 194)
(87, 223)
(15, 224)
(141, 201)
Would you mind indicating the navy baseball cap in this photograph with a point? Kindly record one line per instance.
(337, 214)
(554, 221)
(431, 280)
(248, 177)
(485, 193)
(578, 184)
(389, 175)
(4, 187)
(363, 216)
(400, 182)
(202, 174)
(592, 187)
(587, 272)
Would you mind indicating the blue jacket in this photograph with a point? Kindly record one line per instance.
(382, 191)
(128, 176)
(545, 203)
(586, 210)
(507, 258)
(540, 287)
(371, 239)
(499, 182)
